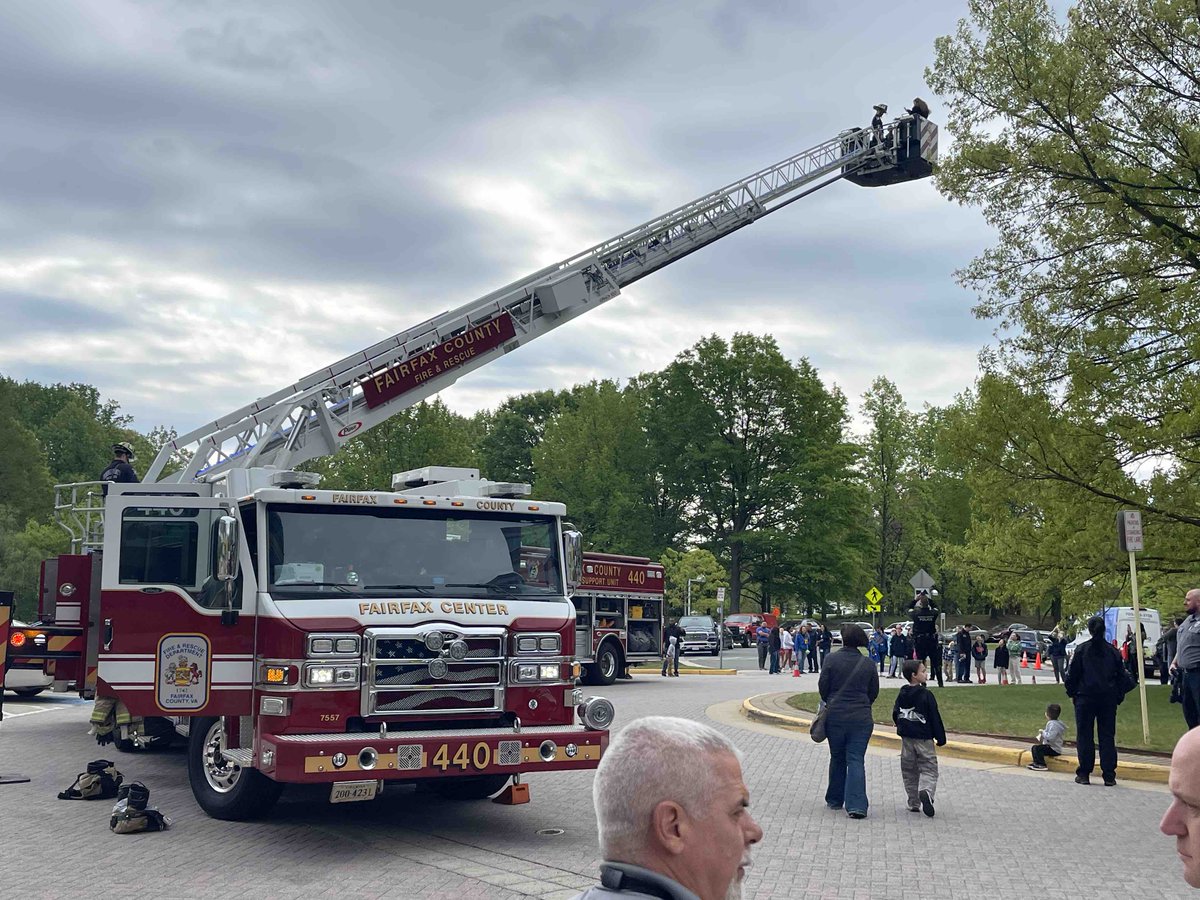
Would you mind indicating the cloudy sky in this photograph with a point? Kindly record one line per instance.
(202, 201)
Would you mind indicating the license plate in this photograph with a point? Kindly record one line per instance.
(353, 791)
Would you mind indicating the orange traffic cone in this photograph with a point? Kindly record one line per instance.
(796, 672)
(1037, 663)
(1024, 659)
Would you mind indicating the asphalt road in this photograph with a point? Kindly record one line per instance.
(998, 831)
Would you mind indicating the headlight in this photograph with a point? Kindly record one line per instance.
(534, 672)
(331, 676)
(527, 644)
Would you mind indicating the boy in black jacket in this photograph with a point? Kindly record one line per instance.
(919, 725)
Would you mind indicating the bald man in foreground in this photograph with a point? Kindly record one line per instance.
(673, 814)
(1182, 819)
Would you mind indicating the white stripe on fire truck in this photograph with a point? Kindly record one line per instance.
(127, 671)
(232, 672)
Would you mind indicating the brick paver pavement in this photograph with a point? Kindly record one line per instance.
(1072, 841)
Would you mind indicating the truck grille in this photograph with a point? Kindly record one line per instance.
(481, 647)
(699, 636)
(456, 673)
(404, 677)
(434, 701)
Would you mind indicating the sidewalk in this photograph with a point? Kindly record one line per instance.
(773, 709)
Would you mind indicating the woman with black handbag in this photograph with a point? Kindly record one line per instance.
(1097, 682)
(848, 685)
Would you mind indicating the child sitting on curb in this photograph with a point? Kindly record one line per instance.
(1050, 739)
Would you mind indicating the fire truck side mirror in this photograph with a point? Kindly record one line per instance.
(573, 564)
(225, 565)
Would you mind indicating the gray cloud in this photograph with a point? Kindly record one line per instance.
(303, 179)
(246, 44)
(562, 49)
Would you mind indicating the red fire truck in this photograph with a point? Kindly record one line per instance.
(618, 614)
(357, 638)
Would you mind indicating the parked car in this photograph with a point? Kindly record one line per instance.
(1033, 642)
(700, 635)
(25, 677)
(835, 634)
(1015, 626)
(742, 627)
(1118, 619)
(905, 627)
(975, 632)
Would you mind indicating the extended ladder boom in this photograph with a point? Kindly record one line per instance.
(317, 414)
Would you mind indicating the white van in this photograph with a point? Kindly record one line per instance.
(1116, 620)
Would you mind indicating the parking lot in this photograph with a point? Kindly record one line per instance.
(1006, 831)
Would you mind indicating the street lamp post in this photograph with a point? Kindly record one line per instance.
(699, 579)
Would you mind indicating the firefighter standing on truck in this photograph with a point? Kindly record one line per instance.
(924, 617)
(119, 469)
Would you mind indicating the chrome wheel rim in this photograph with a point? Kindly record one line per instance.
(608, 664)
(221, 774)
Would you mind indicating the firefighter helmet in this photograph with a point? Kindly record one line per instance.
(122, 447)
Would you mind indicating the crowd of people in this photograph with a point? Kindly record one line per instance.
(672, 806)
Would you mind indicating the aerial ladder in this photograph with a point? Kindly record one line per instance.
(317, 414)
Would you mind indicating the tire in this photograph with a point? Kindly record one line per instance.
(27, 692)
(223, 789)
(745, 644)
(714, 652)
(478, 787)
(607, 666)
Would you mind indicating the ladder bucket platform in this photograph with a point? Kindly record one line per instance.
(907, 152)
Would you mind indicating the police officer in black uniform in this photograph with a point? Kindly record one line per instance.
(119, 469)
(924, 617)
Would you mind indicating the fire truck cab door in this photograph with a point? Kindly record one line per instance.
(164, 650)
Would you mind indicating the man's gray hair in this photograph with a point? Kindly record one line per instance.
(652, 759)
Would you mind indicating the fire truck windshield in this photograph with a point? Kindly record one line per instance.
(328, 551)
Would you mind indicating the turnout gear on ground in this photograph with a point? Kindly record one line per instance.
(132, 812)
(101, 781)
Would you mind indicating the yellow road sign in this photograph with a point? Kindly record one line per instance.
(874, 607)
(874, 595)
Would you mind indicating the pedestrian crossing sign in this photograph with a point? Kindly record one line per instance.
(873, 597)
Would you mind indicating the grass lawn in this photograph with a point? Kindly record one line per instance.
(1020, 713)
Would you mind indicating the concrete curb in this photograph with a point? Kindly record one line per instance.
(989, 753)
(700, 671)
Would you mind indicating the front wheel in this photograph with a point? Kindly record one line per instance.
(713, 652)
(223, 788)
(478, 787)
(27, 692)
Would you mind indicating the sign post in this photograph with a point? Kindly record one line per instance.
(874, 595)
(721, 626)
(1129, 539)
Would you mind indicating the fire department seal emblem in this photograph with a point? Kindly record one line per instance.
(182, 678)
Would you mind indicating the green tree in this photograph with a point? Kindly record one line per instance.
(1080, 141)
(595, 457)
(678, 567)
(513, 431)
(23, 546)
(427, 434)
(739, 431)
(25, 484)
